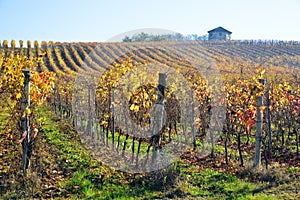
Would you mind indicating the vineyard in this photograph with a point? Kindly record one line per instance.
(232, 107)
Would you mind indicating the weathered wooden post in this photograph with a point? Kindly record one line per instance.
(75, 116)
(158, 115)
(113, 119)
(25, 123)
(193, 119)
(259, 127)
(90, 122)
(268, 116)
(60, 106)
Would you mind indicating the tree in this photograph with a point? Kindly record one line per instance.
(28, 44)
(13, 44)
(44, 45)
(127, 39)
(146, 37)
(28, 48)
(51, 44)
(21, 47)
(5, 46)
(21, 43)
(36, 46)
(5, 43)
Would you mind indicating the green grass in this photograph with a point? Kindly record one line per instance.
(210, 184)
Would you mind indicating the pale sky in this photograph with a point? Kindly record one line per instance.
(100, 20)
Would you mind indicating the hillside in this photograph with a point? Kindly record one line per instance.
(217, 95)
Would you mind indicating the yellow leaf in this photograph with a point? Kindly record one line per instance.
(134, 108)
(146, 96)
(262, 108)
(106, 116)
(103, 122)
(28, 111)
(18, 96)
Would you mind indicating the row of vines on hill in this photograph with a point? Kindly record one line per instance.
(21, 97)
(281, 109)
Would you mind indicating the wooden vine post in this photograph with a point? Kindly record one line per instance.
(158, 116)
(113, 119)
(25, 123)
(268, 118)
(259, 128)
(90, 121)
(193, 119)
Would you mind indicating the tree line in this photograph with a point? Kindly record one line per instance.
(148, 37)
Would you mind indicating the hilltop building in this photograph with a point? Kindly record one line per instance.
(219, 33)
